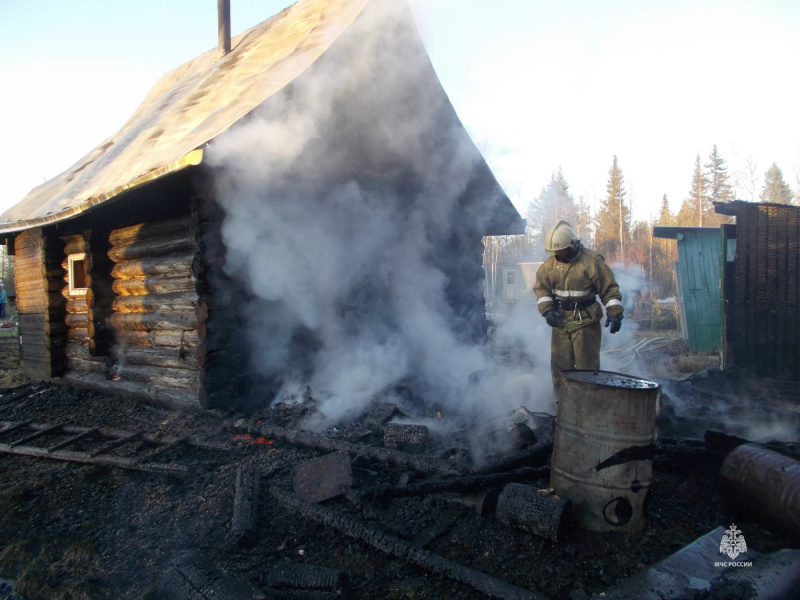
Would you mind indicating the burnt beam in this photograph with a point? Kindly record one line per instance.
(245, 505)
(424, 464)
(195, 577)
(355, 528)
(468, 483)
(536, 455)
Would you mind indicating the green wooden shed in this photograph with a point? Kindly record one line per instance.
(699, 279)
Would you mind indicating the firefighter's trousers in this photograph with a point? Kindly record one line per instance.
(579, 349)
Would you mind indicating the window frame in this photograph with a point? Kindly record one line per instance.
(72, 259)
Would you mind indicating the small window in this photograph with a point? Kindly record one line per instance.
(77, 274)
(511, 278)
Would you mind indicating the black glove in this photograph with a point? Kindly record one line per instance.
(554, 319)
(615, 322)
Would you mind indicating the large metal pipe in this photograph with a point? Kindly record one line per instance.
(224, 26)
(764, 483)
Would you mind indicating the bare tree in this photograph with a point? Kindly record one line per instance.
(751, 180)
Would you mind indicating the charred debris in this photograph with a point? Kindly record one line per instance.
(400, 480)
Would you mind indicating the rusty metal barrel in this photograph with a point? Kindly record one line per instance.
(603, 448)
(764, 483)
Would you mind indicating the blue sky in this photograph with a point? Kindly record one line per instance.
(539, 85)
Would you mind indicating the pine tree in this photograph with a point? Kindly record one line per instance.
(612, 225)
(720, 189)
(691, 213)
(775, 188)
(665, 251)
(665, 217)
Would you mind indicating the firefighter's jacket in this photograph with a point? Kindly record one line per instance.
(571, 288)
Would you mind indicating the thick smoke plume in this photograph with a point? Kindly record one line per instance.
(342, 202)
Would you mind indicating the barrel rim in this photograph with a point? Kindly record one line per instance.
(654, 385)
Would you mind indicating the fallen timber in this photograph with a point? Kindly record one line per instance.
(195, 577)
(353, 527)
(306, 578)
(99, 456)
(462, 484)
(539, 453)
(245, 505)
(423, 464)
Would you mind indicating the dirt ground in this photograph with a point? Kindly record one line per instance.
(81, 531)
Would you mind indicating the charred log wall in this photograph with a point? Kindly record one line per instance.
(154, 312)
(38, 275)
(765, 327)
(222, 356)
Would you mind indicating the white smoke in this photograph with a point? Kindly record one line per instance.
(337, 194)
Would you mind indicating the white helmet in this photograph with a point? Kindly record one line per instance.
(560, 237)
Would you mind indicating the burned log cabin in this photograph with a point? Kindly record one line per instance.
(123, 263)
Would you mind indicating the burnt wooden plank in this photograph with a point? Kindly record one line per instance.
(85, 457)
(358, 529)
(141, 286)
(772, 300)
(77, 305)
(750, 284)
(158, 267)
(116, 443)
(170, 397)
(86, 365)
(168, 338)
(323, 478)
(793, 292)
(293, 575)
(157, 303)
(78, 350)
(78, 437)
(141, 231)
(153, 321)
(781, 251)
(161, 376)
(195, 577)
(244, 523)
(77, 320)
(760, 351)
(152, 247)
(424, 464)
(74, 244)
(36, 435)
(162, 449)
(173, 358)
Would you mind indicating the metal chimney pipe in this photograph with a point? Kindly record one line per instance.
(224, 26)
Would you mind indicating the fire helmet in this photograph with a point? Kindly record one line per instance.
(560, 237)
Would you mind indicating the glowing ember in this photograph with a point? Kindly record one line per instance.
(247, 436)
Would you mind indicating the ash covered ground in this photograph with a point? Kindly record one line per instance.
(72, 530)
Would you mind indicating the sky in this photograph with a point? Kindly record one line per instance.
(538, 85)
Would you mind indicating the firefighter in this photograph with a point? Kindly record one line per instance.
(566, 286)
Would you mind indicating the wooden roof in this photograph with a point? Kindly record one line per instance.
(187, 108)
(672, 232)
